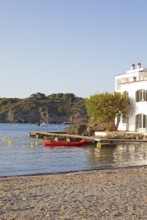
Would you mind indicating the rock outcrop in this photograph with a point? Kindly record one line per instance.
(56, 108)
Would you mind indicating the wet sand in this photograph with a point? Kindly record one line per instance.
(88, 195)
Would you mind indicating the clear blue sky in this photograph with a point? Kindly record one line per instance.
(69, 46)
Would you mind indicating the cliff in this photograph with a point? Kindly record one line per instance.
(38, 108)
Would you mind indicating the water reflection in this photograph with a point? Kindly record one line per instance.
(130, 154)
(102, 155)
(121, 155)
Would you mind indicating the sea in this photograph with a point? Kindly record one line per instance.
(23, 155)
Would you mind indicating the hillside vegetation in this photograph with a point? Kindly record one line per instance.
(38, 108)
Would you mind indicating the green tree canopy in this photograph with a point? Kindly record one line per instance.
(38, 95)
(104, 107)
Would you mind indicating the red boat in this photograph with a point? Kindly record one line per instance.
(63, 143)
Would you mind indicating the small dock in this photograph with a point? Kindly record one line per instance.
(63, 136)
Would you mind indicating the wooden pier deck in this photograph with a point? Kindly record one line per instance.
(62, 136)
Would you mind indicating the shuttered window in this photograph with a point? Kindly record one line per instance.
(141, 95)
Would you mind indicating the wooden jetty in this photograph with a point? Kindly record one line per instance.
(62, 136)
(101, 141)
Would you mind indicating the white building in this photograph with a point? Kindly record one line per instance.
(134, 84)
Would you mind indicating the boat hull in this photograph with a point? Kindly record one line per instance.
(62, 143)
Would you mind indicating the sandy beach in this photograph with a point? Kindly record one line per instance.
(86, 195)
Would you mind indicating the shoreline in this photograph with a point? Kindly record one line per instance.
(75, 171)
(118, 193)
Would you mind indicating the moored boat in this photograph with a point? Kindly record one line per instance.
(64, 143)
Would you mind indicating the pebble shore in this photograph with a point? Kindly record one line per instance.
(86, 195)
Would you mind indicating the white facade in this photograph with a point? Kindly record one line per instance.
(134, 84)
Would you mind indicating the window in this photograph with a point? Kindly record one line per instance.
(141, 95)
(141, 121)
(126, 94)
(134, 79)
(124, 119)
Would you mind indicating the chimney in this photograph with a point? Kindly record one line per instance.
(139, 65)
(133, 66)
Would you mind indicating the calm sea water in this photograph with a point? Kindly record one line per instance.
(20, 154)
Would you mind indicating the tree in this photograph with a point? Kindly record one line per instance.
(105, 107)
(38, 95)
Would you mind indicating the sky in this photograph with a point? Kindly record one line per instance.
(69, 46)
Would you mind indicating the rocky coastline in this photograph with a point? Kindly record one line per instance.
(88, 195)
